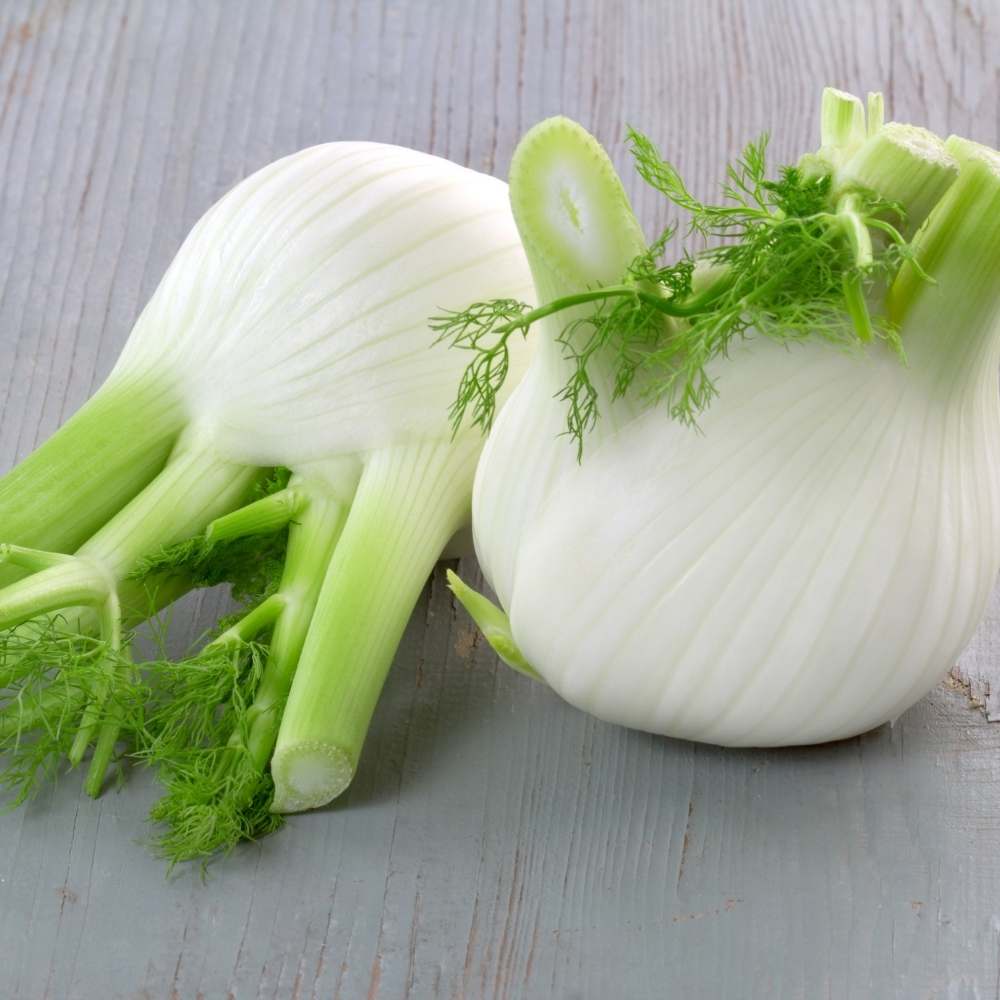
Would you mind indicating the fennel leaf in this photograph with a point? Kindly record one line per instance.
(786, 260)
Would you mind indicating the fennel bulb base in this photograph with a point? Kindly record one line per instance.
(805, 568)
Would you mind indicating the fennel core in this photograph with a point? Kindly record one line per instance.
(792, 258)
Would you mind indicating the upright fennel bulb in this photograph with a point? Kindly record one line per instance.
(291, 331)
(808, 561)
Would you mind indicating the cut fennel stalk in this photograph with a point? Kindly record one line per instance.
(794, 258)
(289, 331)
(812, 558)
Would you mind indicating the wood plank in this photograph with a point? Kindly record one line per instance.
(496, 843)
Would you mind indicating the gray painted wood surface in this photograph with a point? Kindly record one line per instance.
(496, 842)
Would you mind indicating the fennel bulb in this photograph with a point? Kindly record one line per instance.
(290, 330)
(813, 556)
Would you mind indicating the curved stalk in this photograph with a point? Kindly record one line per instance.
(90, 468)
(311, 544)
(409, 502)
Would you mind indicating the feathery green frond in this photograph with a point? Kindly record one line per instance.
(251, 565)
(788, 259)
(197, 731)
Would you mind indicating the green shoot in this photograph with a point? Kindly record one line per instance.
(789, 260)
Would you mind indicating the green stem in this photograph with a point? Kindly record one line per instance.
(311, 544)
(409, 502)
(90, 468)
(252, 624)
(100, 761)
(857, 307)
(52, 703)
(268, 514)
(952, 322)
(111, 633)
(195, 487)
(32, 560)
(68, 585)
(688, 307)
(854, 228)
(232, 795)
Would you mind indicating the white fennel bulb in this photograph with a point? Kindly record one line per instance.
(291, 330)
(812, 557)
(293, 320)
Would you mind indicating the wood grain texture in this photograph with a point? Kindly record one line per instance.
(496, 843)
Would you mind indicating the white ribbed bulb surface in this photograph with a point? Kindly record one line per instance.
(807, 566)
(757, 585)
(803, 570)
(294, 317)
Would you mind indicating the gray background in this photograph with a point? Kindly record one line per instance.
(496, 843)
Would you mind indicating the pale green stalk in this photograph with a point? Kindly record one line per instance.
(948, 333)
(312, 538)
(409, 502)
(90, 468)
(192, 489)
(842, 123)
(905, 164)
(494, 623)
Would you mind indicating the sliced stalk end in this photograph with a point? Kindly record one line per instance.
(579, 232)
(493, 623)
(905, 164)
(410, 501)
(571, 210)
(961, 235)
(308, 775)
(966, 151)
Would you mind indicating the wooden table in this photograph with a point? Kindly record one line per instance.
(496, 843)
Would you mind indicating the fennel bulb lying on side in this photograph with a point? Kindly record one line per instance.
(290, 331)
(785, 521)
